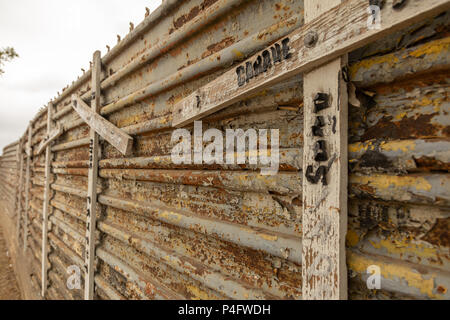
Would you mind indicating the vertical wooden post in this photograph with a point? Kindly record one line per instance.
(46, 204)
(19, 193)
(29, 153)
(17, 177)
(92, 206)
(324, 173)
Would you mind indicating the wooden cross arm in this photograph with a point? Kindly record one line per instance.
(338, 31)
(28, 149)
(115, 136)
(52, 136)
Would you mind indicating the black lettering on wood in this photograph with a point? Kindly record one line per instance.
(249, 72)
(267, 61)
(334, 124)
(241, 75)
(318, 125)
(321, 102)
(320, 151)
(258, 66)
(276, 53)
(263, 62)
(91, 151)
(315, 178)
(286, 49)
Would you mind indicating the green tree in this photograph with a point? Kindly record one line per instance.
(6, 54)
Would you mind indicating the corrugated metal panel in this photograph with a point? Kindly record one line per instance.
(226, 232)
(399, 185)
(9, 177)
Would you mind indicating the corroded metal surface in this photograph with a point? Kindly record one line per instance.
(169, 231)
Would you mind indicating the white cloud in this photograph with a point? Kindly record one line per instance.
(55, 39)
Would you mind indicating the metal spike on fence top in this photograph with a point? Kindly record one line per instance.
(108, 48)
(147, 12)
(131, 26)
(118, 38)
(83, 70)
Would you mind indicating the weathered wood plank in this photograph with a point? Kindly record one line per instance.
(340, 30)
(115, 136)
(46, 204)
(325, 175)
(51, 136)
(28, 148)
(17, 167)
(27, 188)
(94, 150)
(19, 193)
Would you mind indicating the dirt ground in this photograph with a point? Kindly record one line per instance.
(9, 290)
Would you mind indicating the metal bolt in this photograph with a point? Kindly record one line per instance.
(311, 39)
(399, 4)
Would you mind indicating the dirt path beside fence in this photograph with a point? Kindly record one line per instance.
(9, 289)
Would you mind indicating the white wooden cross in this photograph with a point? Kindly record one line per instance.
(92, 205)
(324, 221)
(46, 204)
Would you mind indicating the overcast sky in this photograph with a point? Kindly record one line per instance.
(55, 39)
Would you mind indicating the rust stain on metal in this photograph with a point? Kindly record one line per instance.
(438, 235)
(181, 21)
(216, 47)
(406, 128)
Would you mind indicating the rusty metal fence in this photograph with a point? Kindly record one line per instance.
(167, 231)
